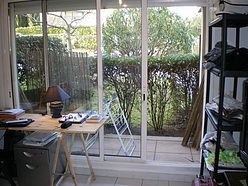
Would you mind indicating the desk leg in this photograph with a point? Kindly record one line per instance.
(55, 159)
(71, 145)
(66, 167)
(92, 175)
(68, 158)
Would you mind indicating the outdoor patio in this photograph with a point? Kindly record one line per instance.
(159, 148)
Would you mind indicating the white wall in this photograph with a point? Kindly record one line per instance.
(1, 54)
(5, 74)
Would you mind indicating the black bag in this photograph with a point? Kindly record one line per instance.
(214, 55)
(236, 58)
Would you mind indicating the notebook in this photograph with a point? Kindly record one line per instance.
(20, 122)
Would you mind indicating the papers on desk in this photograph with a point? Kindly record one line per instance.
(39, 138)
(19, 122)
(96, 118)
(11, 113)
(74, 117)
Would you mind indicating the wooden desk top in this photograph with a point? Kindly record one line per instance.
(47, 123)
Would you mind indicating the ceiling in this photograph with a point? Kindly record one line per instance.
(31, 6)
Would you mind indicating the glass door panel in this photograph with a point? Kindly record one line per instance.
(121, 58)
(72, 64)
(72, 29)
(27, 54)
(173, 74)
(68, 60)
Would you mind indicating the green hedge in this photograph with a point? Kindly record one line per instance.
(52, 30)
(172, 86)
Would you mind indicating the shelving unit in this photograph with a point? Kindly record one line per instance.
(224, 21)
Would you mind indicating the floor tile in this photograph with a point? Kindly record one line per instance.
(151, 145)
(128, 182)
(171, 146)
(175, 157)
(150, 156)
(180, 183)
(154, 183)
(157, 150)
(103, 181)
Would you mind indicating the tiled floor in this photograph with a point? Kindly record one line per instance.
(159, 149)
(113, 181)
(165, 149)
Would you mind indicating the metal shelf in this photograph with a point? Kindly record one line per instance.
(228, 73)
(223, 168)
(232, 20)
(231, 125)
(223, 21)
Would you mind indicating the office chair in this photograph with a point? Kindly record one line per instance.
(4, 155)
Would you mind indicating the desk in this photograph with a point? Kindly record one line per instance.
(236, 178)
(46, 123)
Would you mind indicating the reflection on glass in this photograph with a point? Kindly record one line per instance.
(71, 63)
(29, 55)
(69, 56)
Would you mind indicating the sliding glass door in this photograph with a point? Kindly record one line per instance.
(111, 57)
(122, 61)
(54, 44)
(27, 54)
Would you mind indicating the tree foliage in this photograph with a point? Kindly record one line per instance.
(28, 64)
(22, 20)
(167, 33)
(122, 32)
